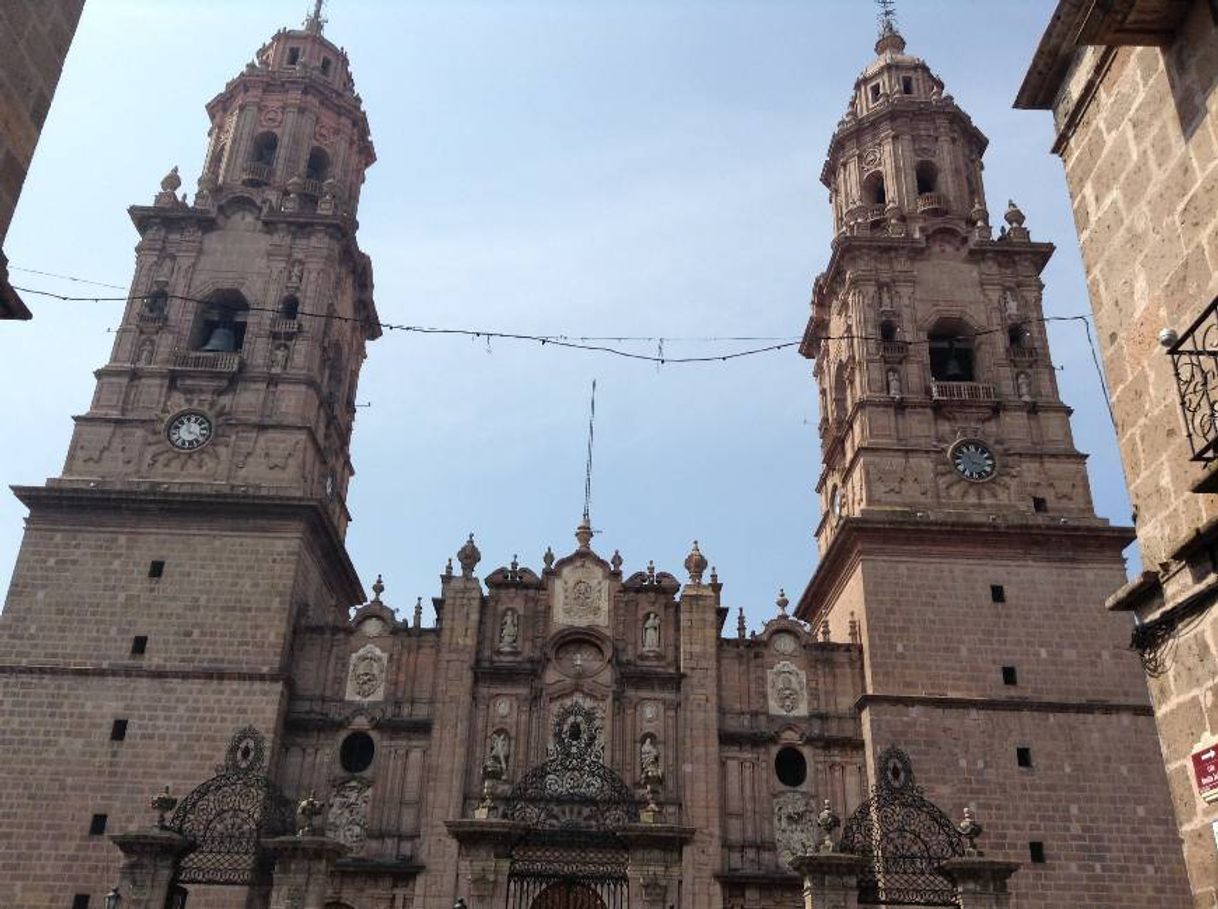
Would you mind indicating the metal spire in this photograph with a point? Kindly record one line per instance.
(588, 469)
(887, 16)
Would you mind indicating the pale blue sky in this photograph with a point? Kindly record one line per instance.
(639, 168)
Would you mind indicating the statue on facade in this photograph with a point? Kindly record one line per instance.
(651, 632)
(649, 757)
(509, 631)
(499, 751)
(894, 383)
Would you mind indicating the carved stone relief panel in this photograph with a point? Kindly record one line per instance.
(795, 830)
(788, 690)
(581, 596)
(366, 674)
(347, 820)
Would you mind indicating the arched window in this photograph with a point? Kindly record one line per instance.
(289, 307)
(951, 351)
(873, 190)
(888, 330)
(927, 176)
(220, 326)
(265, 146)
(318, 166)
(1017, 336)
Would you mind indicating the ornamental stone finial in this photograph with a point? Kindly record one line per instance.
(970, 830)
(782, 602)
(828, 821)
(162, 803)
(616, 562)
(695, 564)
(469, 556)
(1014, 216)
(377, 589)
(548, 558)
(171, 181)
(583, 534)
(307, 813)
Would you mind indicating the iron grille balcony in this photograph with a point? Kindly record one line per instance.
(932, 204)
(1194, 358)
(311, 187)
(281, 325)
(962, 391)
(894, 350)
(255, 174)
(1023, 356)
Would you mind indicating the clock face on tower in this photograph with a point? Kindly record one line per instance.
(189, 430)
(973, 460)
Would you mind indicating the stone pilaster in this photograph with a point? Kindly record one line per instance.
(150, 858)
(699, 758)
(302, 870)
(981, 882)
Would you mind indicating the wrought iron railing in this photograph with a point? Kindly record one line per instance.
(253, 172)
(1194, 359)
(281, 325)
(931, 204)
(311, 187)
(205, 360)
(894, 350)
(1023, 356)
(962, 391)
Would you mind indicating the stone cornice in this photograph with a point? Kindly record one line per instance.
(1017, 705)
(64, 499)
(895, 535)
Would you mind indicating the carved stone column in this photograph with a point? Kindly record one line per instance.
(831, 879)
(150, 859)
(302, 870)
(981, 882)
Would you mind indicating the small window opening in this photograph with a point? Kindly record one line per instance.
(907, 84)
(790, 766)
(1017, 335)
(998, 593)
(356, 752)
(1036, 851)
(873, 190)
(97, 825)
(293, 56)
(156, 304)
(80, 901)
(318, 166)
(289, 307)
(927, 176)
(951, 355)
(888, 330)
(221, 324)
(156, 569)
(139, 645)
(1023, 756)
(875, 91)
(325, 66)
(1009, 676)
(118, 730)
(265, 147)
(1040, 504)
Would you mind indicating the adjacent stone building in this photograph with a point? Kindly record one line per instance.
(574, 734)
(34, 39)
(1132, 90)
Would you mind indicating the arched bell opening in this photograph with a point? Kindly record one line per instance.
(220, 324)
(952, 356)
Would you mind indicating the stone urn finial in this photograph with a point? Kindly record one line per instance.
(1014, 215)
(377, 589)
(970, 830)
(583, 534)
(469, 556)
(547, 558)
(695, 564)
(782, 602)
(827, 821)
(307, 813)
(171, 181)
(162, 803)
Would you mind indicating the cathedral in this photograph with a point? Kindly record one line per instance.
(579, 734)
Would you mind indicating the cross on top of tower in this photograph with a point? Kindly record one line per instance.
(315, 21)
(887, 16)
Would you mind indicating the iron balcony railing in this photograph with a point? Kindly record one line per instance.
(932, 204)
(255, 173)
(1194, 359)
(962, 391)
(205, 360)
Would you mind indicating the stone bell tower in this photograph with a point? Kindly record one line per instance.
(958, 541)
(200, 516)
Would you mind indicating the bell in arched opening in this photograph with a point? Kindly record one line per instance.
(222, 340)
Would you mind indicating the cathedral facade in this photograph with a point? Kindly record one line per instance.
(577, 733)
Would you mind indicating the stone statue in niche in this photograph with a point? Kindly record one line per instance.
(347, 820)
(1010, 302)
(649, 756)
(509, 631)
(143, 355)
(279, 357)
(651, 633)
(366, 675)
(499, 750)
(295, 272)
(894, 383)
(1023, 383)
(788, 690)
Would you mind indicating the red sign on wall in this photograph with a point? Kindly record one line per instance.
(1205, 772)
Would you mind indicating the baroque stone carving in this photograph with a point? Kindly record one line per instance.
(509, 631)
(651, 633)
(649, 756)
(795, 830)
(785, 643)
(499, 749)
(582, 596)
(348, 818)
(366, 674)
(788, 690)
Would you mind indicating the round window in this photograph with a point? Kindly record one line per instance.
(790, 766)
(356, 752)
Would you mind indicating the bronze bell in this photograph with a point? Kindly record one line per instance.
(952, 372)
(222, 340)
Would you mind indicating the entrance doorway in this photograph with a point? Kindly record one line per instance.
(568, 896)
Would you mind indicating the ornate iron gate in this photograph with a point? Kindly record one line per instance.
(904, 839)
(572, 806)
(226, 817)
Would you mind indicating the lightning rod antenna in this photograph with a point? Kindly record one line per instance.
(588, 469)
